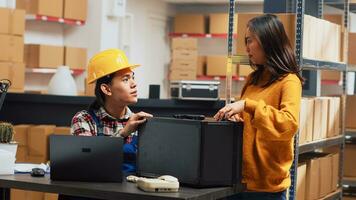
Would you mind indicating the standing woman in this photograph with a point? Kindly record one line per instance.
(269, 108)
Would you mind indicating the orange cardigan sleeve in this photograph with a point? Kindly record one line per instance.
(277, 123)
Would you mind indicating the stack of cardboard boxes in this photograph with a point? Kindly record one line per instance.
(184, 59)
(318, 175)
(49, 56)
(12, 27)
(34, 148)
(316, 42)
(319, 118)
(33, 141)
(67, 9)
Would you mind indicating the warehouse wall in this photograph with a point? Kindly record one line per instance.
(149, 43)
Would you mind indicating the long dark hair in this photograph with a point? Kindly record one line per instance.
(100, 96)
(280, 56)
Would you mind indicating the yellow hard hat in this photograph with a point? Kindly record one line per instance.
(107, 62)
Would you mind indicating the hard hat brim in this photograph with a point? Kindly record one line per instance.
(133, 66)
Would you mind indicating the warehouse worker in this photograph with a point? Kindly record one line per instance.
(109, 115)
(269, 108)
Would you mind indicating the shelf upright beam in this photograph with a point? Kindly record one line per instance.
(299, 56)
(229, 51)
(344, 87)
(320, 9)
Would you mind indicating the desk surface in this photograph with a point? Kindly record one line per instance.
(123, 190)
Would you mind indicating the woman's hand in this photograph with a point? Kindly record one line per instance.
(133, 122)
(231, 111)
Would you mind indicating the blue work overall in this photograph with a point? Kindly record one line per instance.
(129, 164)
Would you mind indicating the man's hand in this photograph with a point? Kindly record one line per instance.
(132, 124)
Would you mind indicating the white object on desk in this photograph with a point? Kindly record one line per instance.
(7, 165)
(164, 183)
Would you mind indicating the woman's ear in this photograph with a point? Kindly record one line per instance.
(105, 88)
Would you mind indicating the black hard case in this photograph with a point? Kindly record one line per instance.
(200, 153)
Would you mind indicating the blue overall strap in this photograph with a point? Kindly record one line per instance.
(129, 149)
(99, 125)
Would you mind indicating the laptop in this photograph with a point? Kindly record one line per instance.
(89, 159)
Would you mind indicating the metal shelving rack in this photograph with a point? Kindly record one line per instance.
(311, 71)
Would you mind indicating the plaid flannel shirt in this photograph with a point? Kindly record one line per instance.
(84, 125)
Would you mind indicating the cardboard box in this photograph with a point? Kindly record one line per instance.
(17, 26)
(76, 9)
(5, 20)
(75, 58)
(184, 65)
(350, 160)
(337, 104)
(218, 23)
(352, 49)
(50, 196)
(331, 48)
(307, 45)
(179, 74)
(334, 117)
(244, 70)
(303, 121)
(184, 43)
(16, 194)
(184, 54)
(331, 75)
(350, 119)
(12, 21)
(216, 66)
(21, 154)
(15, 72)
(331, 118)
(12, 48)
(335, 171)
(334, 18)
(337, 19)
(52, 8)
(46, 56)
(20, 135)
(89, 89)
(312, 179)
(301, 181)
(37, 159)
(189, 23)
(324, 117)
(317, 119)
(201, 66)
(310, 121)
(325, 175)
(38, 141)
(62, 130)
